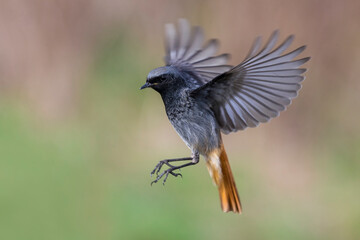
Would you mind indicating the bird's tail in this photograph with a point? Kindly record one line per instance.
(220, 171)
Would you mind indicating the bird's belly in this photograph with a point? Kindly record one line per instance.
(200, 133)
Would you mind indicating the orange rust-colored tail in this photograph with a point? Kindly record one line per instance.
(220, 171)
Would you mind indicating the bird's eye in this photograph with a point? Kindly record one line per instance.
(153, 80)
(157, 80)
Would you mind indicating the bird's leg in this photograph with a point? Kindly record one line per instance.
(194, 160)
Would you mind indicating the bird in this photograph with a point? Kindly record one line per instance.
(205, 97)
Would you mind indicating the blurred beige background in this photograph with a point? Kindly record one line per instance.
(78, 139)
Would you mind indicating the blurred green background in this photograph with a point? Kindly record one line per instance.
(78, 139)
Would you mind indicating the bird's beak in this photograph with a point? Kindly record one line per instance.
(146, 85)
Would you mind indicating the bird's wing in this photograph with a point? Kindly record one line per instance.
(185, 50)
(256, 90)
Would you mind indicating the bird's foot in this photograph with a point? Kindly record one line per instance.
(159, 166)
(194, 160)
(165, 173)
(171, 168)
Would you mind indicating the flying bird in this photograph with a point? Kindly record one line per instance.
(204, 97)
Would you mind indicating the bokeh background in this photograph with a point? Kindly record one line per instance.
(78, 139)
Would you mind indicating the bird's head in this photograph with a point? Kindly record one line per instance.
(161, 78)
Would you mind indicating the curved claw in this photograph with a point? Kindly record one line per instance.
(176, 174)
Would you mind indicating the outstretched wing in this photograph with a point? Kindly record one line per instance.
(185, 50)
(256, 90)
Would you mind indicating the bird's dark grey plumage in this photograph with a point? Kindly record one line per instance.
(204, 96)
